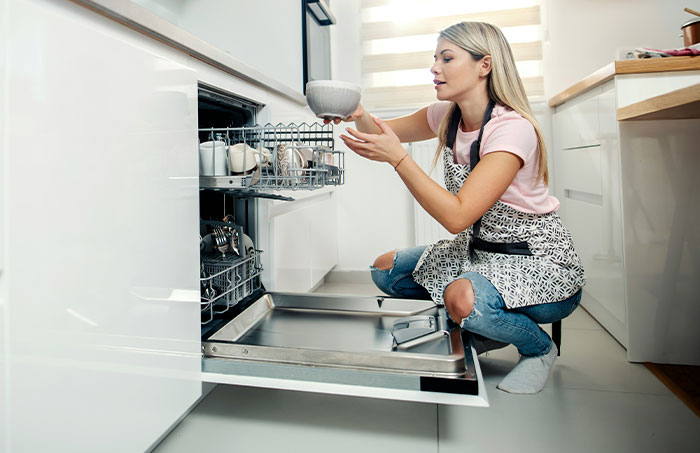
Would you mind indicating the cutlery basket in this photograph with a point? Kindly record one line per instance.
(226, 280)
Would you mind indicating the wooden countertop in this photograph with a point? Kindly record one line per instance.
(609, 71)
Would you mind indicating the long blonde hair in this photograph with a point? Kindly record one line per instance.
(503, 83)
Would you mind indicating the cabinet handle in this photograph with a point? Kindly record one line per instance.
(586, 197)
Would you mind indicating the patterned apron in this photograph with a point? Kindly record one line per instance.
(529, 258)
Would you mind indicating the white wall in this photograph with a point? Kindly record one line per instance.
(582, 36)
(4, 370)
(375, 214)
(266, 35)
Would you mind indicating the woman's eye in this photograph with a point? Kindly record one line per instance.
(446, 59)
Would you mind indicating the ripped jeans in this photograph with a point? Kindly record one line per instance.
(490, 318)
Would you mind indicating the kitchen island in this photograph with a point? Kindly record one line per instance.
(625, 161)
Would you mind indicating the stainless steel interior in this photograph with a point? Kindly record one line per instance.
(333, 331)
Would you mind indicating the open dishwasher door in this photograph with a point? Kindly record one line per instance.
(347, 345)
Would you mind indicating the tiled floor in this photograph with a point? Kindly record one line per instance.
(595, 401)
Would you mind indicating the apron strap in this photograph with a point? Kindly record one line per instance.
(473, 154)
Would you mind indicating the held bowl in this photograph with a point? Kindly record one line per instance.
(332, 98)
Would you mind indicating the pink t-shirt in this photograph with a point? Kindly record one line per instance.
(510, 132)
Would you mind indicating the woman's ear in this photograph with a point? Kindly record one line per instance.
(485, 66)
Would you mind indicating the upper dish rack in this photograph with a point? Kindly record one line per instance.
(280, 157)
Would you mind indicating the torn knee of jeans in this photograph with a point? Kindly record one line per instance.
(472, 316)
(377, 261)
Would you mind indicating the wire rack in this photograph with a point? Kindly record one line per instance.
(280, 157)
(226, 280)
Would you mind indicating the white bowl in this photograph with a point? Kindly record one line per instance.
(332, 98)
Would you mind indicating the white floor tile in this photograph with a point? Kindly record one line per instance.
(580, 319)
(563, 420)
(244, 419)
(590, 360)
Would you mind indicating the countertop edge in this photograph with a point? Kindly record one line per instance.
(144, 21)
(683, 103)
(609, 71)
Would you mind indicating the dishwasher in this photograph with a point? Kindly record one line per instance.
(378, 347)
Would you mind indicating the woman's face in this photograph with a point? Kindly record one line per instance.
(457, 74)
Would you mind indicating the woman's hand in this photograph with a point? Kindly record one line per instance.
(382, 147)
(357, 114)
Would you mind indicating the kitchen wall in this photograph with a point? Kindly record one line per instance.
(265, 35)
(375, 211)
(582, 36)
(4, 390)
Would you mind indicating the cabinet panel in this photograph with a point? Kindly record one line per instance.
(576, 122)
(303, 242)
(324, 234)
(580, 170)
(598, 243)
(103, 296)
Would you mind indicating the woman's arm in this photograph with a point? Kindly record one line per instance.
(409, 128)
(483, 188)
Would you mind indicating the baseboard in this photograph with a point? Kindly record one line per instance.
(361, 277)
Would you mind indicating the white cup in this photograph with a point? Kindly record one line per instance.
(244, 158)
(212, 159)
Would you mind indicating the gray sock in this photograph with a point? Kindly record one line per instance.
(530, 374)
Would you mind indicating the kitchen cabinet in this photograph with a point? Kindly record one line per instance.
(586, 172)
(99, 285)
(625, 189)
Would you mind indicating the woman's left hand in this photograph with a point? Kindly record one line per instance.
(384, 147)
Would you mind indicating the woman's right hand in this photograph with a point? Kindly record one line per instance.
(354, 116)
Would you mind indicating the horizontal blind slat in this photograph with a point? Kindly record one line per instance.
(374, 3)
(504, 18)
(418, 60)
(417, 96)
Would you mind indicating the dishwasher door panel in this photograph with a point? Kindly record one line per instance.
(344, 345)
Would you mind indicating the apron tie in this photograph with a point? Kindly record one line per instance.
(473, 155)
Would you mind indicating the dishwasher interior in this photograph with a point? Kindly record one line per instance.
(309, 340)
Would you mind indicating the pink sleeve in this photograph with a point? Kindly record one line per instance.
(435, 113)
(514, 135)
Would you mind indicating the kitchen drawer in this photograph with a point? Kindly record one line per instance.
(344, 345)
(576, 122)
(579, 170)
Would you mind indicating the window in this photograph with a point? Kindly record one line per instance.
(399, 37)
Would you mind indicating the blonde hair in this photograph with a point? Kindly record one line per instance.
(503, 84)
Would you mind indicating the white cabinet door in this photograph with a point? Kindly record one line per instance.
(303, 241)
(102, 258)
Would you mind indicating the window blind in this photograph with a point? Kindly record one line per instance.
(399, 38)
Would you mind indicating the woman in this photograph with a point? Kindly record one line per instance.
(512, 263)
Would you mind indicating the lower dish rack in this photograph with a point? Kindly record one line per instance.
(225, 280)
